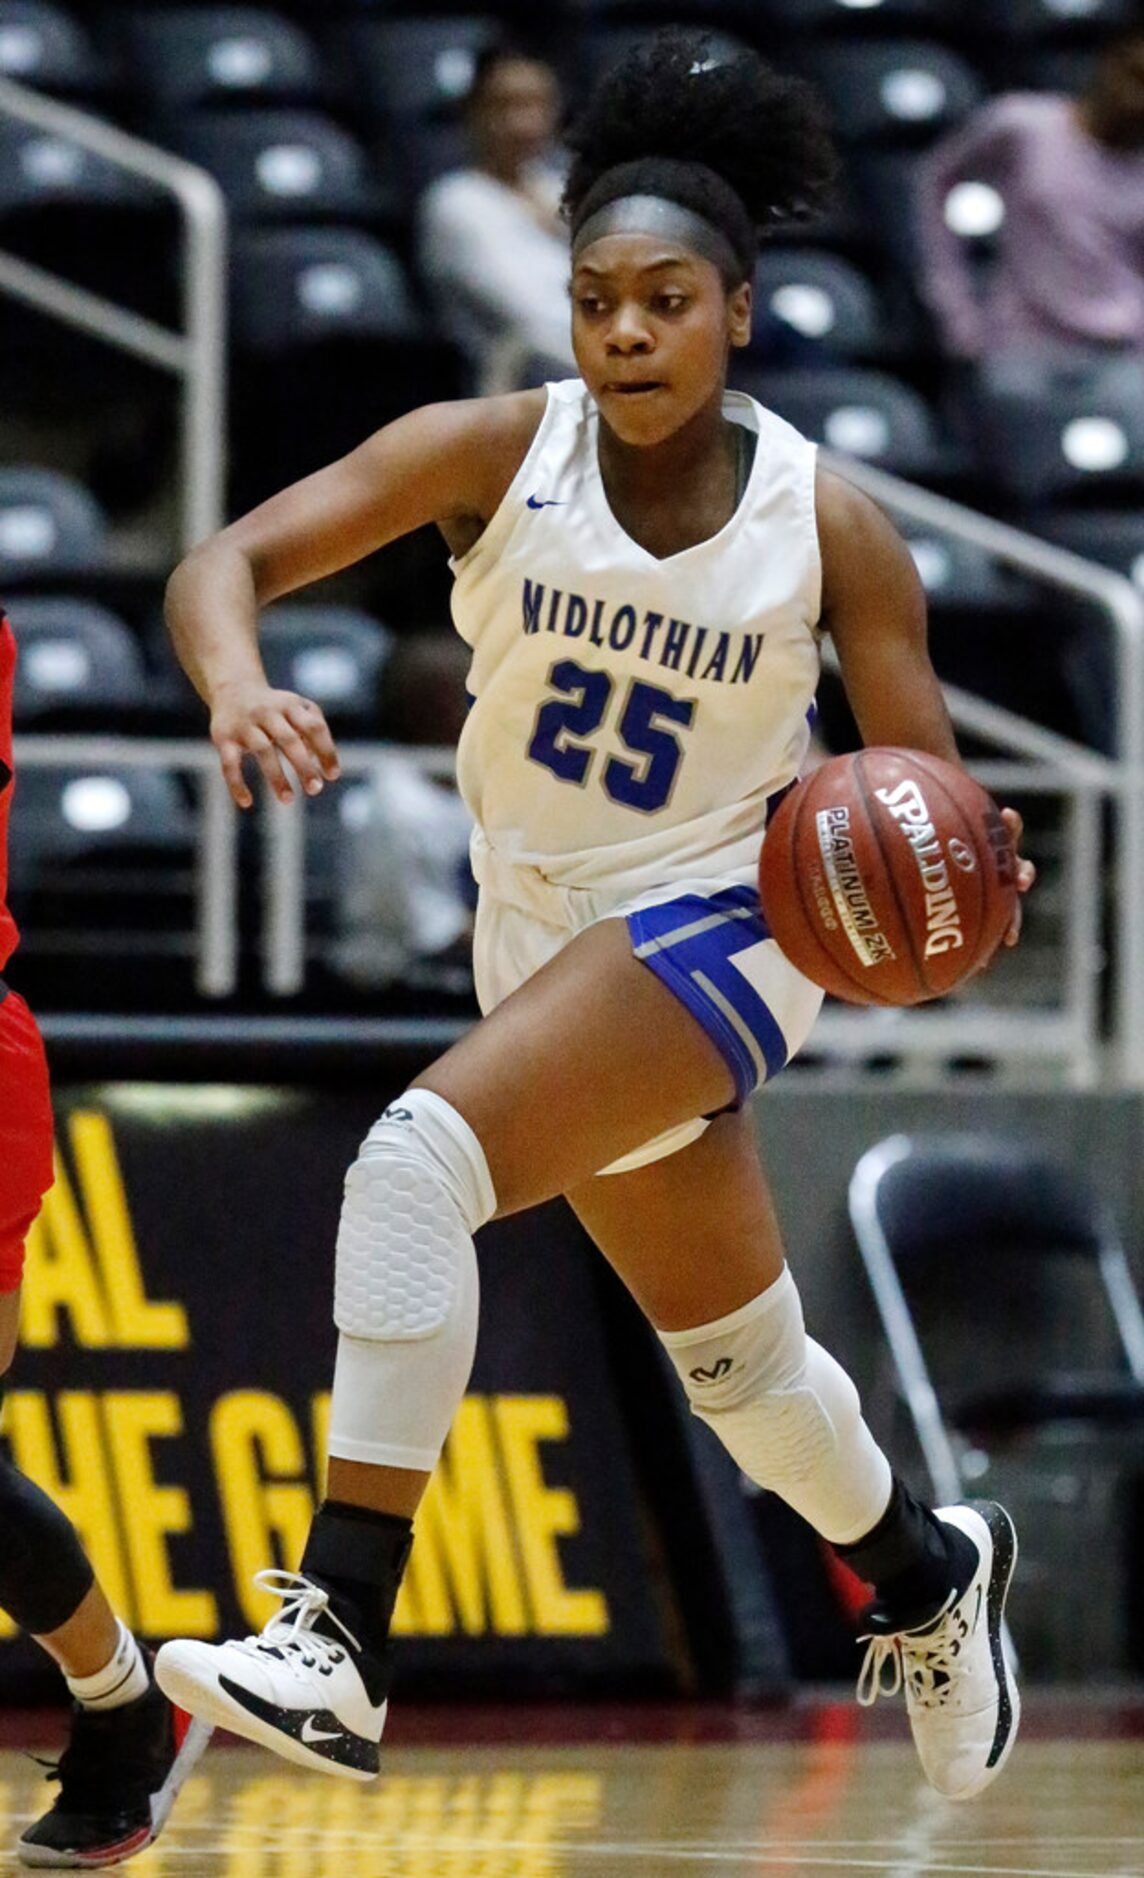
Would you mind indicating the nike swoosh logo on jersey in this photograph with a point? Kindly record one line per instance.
(539, 502)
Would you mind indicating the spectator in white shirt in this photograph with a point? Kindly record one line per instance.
(493, 250)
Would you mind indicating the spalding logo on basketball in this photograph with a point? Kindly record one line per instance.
(888, 877)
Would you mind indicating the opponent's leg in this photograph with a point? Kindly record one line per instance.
(549, 1087)
(129, 1751)
(694, 1238)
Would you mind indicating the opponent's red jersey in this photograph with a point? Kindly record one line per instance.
(8, 933)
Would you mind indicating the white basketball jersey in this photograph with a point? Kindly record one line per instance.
(631, 715)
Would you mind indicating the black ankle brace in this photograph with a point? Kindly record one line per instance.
(359, 1557)
(912, 1560)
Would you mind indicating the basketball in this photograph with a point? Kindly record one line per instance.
(888, 877)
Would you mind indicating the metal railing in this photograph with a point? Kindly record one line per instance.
(1067, 1036)
(197, 355)
(1058, 765)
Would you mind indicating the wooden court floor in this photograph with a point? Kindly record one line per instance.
(604, 1805)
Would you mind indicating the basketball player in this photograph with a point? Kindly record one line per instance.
(130, 1749)
(644, 566)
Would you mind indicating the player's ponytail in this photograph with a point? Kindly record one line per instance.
(726, 137)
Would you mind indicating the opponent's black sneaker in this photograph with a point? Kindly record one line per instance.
(119, 1776)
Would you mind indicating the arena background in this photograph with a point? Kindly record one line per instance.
(221, 1027)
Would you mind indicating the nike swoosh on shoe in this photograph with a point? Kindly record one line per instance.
(340, 1744)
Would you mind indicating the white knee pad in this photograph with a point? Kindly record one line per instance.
(785, 1411)
(406, 1286)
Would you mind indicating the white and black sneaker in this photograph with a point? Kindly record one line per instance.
(957, 1669)
(294, 1689)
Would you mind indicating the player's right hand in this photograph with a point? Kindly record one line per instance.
(250, 718)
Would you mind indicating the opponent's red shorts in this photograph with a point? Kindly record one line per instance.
(25, 1132)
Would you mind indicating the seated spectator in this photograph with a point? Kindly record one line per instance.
(404, 892)
(493, 250)
(1068, 267)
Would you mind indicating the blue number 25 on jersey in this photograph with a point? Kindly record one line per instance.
(579, 711)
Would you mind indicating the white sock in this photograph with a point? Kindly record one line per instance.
(123, 1680)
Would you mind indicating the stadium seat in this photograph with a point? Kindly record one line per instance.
(1114, 538)
(279, 165)
(295, 287)
(38, 170)
(103, 871)
(960, 577)
(333, 654)
(50, 526)
(78, 664)
(74, 213)
(420, 68)
(68, 810)
(1066, 69)
(209, 55)
(894, 91)
(861, 413)
(1047, 432)
(1056, 19)
(45, 46)
(924, 16)
(334, 308)
(1016, 1344)
(827, 302)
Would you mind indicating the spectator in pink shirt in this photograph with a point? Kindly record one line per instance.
(1068, 268)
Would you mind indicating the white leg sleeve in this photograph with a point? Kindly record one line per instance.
(406, 1288)
(786, 1412)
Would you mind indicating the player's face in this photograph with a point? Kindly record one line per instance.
(652, 325)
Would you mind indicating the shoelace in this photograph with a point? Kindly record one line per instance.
(291, 1630)
(927, 1662)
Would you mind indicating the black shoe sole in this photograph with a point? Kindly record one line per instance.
(1004, 1536)
(68, 1858)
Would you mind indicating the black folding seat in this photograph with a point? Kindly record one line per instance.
(214, 55)
(1013, 1367)
(862, 413)
(748, 17)
(922, 16)
(1113, 537)
(45, 46)
(279, 165)
(79, 665)
(828, 304)
(330, 308)
(1048, 432)
(103, 871)
(891, 92)
(416, 68)
(1045, 21)
(78, 215)
(333, 654)
(50, 527)
(299, 287)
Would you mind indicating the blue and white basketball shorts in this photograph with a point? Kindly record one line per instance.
(709, 944)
